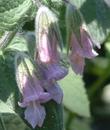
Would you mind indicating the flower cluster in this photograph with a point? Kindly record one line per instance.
(37, 87)
(37, 79)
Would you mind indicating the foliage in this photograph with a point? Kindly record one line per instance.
(13, 17)
(75, 99)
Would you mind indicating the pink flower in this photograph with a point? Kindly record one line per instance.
(47, 42)
(77, 62)
(81, 48)
(47, 49)
(44, 49)
(48, 36)
(79, 40)
(49, 58)
(87, 44)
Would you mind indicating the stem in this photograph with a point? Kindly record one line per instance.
(2, 122)
(54, 117)
(37, 2)
(69, 120)
(7, 37)
(71, 117)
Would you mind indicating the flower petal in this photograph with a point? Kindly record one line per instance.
(35, 114)
(76, 48)
(33, 91)
(56, 92)
(77, 63)
(44, 49)
(55, 72)
(87, 46)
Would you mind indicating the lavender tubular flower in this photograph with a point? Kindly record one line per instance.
(56, 72)
(47, 40)
(78, 39)
(44, 49)
(47, 35)
(87, 43)
(54, 90)
(32, 92)
(33, 95)
(53, 72)
(49, 77)
(47, 43)
(35, 114)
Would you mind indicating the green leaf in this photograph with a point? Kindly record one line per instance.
(6, 38)
(97, 16)
(8, 87)
(13, 13)
(75, 97)
(4, 108)
(12, 122)
(9, 119)
(6, 5)
(107, 46)
(78, 124)
(9, 94)
(18, 44)
(105, 94)
(107, 2)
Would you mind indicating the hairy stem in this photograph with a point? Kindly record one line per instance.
(2, 122)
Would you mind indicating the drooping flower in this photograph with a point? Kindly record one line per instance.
(35, 114)
(87, 43)
(47, 42)
(47, 35)
(49, 78)
(53, 88)
(79, 40)
(53, 71)
(32, 92)
(33, 95)
(77, 62)
(80, 50)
